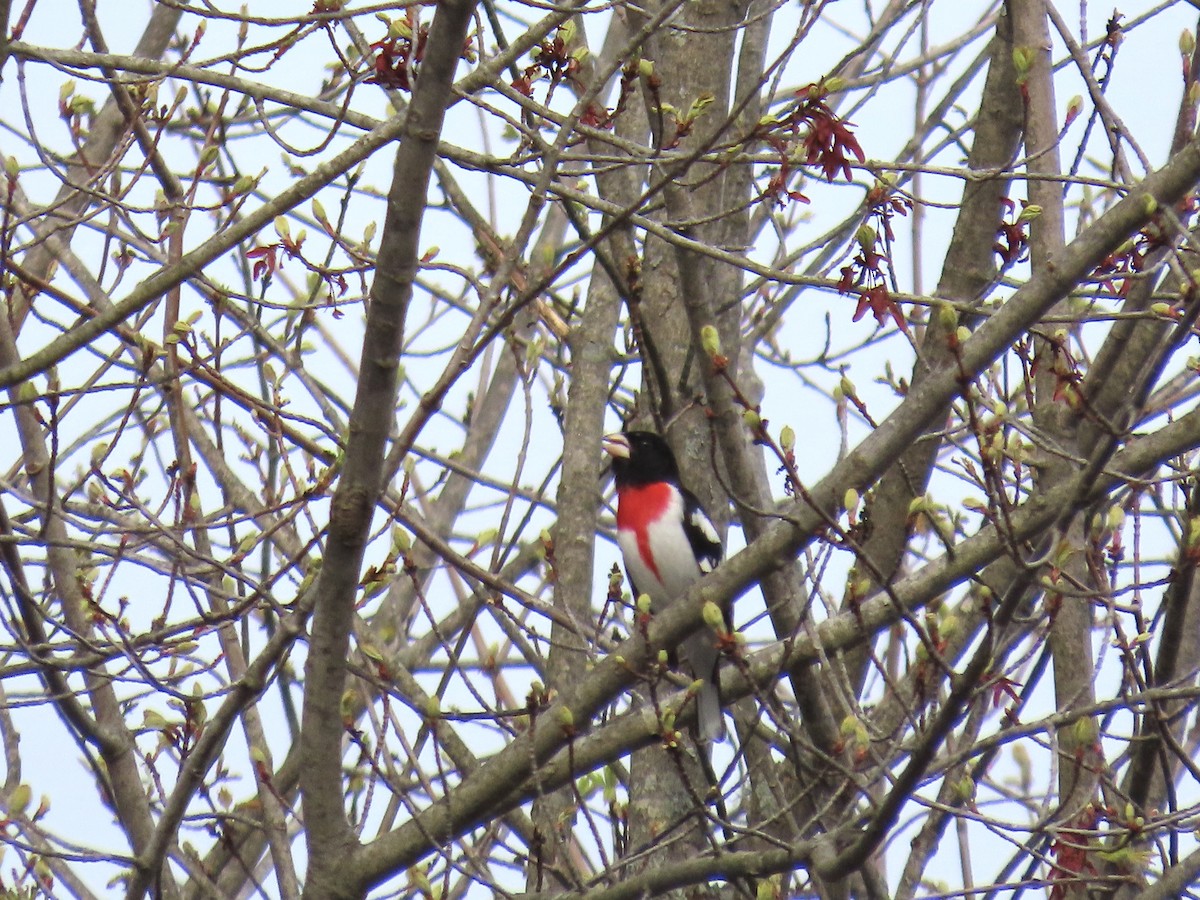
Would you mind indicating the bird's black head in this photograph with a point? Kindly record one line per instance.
(640, 457)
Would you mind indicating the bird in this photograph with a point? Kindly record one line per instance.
(668, 542)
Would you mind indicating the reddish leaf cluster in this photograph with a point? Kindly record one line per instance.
(182, 736)
(865, 275)
(1002, 687)
(777, 187)
(338, 280)
(883, 204)
(265, 261)
(1064, 368)
(1116, 270)
(823, 138)
(1113, 34)
(554, 58)
(266, 258)
(873, 294)
(829, 138)
(396, 57)
(600, 116)
(597, 117)
(1071, 854)
(1012, 241)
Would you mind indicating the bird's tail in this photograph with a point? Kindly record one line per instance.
(703, 657)
(708, 712)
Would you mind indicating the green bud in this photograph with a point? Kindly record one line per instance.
(19, 798)
(853, 730)
(949, 626)
(699, 105)
(371, 652)
(401, 542)
(1029, 213)
(1193, 535)
(1084, 732)
(964, 789)
(713, 617)
(1023, 58)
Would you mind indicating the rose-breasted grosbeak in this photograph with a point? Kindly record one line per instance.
(668, 542)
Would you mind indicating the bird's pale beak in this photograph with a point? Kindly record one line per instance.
(616, 446)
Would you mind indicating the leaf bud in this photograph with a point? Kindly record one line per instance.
(1029, 213)
(713, 617)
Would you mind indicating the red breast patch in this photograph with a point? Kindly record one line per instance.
(640, 507)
